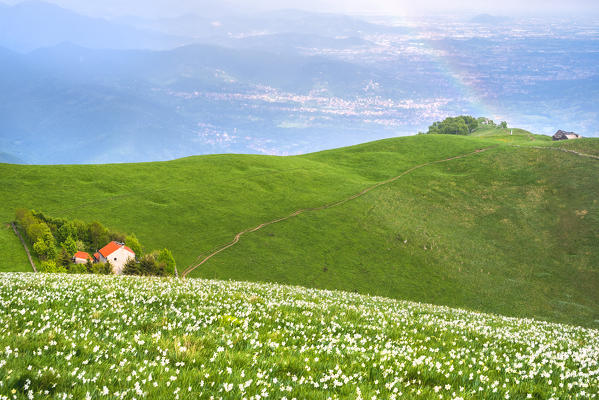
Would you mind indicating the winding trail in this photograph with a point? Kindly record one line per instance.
(237, 237)
(560, 149)
(14, 228)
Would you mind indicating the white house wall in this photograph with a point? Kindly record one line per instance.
(118, 259)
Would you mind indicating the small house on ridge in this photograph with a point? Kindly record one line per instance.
(563, 135)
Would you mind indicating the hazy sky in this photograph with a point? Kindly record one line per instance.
(392, 7)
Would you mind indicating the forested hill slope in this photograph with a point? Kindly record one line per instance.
(511, 230)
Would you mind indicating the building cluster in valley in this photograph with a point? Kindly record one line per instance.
(116, 253)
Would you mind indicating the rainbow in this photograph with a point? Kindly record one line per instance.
(464, 87)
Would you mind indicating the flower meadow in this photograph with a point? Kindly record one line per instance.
(107, 337)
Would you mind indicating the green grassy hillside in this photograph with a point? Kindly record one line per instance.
(511, 230)
(511, 135)
(12, 255)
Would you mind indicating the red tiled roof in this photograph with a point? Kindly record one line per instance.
(112, 247)
(82, 254)
(109, 249)
(129, 250)
(97, 256)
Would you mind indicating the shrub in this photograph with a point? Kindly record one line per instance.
(146, 266)
(132, 242)
(50, 266)
(77, 269)
(82, 232)
(64, 258)
(89, 266)
(165, 257)
(70, 245)
(67, 230)
(131, 267)
(149, 266)
(41, 249)
(25, 218)
(101, 269)
(117, 236)
(38, 230)
(98, 234)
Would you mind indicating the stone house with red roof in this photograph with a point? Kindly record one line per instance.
(81, 257)
(117, 254)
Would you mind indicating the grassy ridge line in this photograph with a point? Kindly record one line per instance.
(327, 206)
(511, 135)
(522, 138)
(205, 200)
(501, 232)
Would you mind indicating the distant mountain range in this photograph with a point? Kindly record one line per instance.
(487, 19)
(111, 105)
(9, 159)
(33, 24)
(238, 25)
(97, 90)
(294, 43)
(285, 82)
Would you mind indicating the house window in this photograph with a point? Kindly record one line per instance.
(115, 259)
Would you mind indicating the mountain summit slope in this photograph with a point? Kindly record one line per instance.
(511, 230)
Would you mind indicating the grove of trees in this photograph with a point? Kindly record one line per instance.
(55, 240)
(461, 125)
(158, 263)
